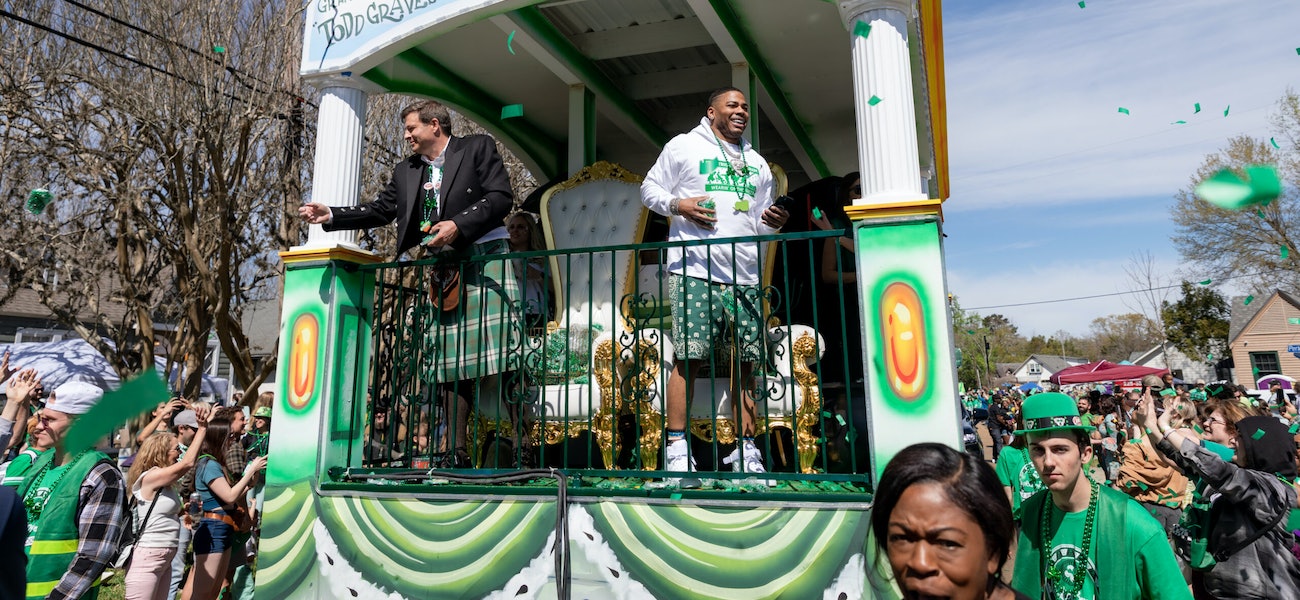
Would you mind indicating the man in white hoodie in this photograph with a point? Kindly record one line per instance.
(712, 185)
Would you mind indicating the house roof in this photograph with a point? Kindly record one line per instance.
(1004, 367)
(1242, 314)
(261, 320)
(26, 303)
(1055, 362)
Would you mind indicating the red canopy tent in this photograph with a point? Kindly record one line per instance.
(1103, 370)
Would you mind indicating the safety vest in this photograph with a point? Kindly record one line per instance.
(54, 545)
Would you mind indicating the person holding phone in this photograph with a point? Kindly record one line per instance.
(712, 184)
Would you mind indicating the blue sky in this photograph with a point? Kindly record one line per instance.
(1053, 190)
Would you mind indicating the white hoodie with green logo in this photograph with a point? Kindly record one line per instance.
(691, 165)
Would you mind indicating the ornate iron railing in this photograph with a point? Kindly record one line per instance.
(563, 359)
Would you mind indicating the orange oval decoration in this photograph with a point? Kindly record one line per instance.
(903, 330)
(303, 351)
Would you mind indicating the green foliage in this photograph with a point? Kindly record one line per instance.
(1197, 324)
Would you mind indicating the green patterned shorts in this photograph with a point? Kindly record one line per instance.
(703, 313)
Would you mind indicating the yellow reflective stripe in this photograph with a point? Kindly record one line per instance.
(40, 589)
(43, 589)
(54, 546)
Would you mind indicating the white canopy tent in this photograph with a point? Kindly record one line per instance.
(77, 360)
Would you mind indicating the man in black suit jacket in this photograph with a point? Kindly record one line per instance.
(452, 195)
(471, 195)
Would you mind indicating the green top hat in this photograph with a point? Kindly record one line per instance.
(1051, 411)
(263, 412)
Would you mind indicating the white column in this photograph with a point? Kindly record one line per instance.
(340, 137)
(742, 78)
(887, 144)
(582, 128)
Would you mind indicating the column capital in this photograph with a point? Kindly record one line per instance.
(344, 80)
(850, 10)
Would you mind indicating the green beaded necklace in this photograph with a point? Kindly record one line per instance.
(1054, 576)
(36, 506)
(431, 195)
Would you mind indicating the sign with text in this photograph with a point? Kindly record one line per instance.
(340, 33)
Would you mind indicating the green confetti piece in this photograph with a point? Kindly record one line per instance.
(219, 49)
(1209, 357)
(741, 206)
(38, 199)
(1197, 107)
(839, 419)
(1206, 282)
(1294, 429)
(512, 110)
(1260, 213)
(1197, 429)
(510, 40)
(710, 165)
(970, 331)
(675, 496)
(1284, 251)
(1214, 391)
(135, 396)
(817, 213)
(1274, 142)
(1225, 111)
(1179, 123)
(1123, 110)
(862, 29)
(1228, 191)
(1293, 321)
(1248, 300)
(874, 100)
(851, 435)
(1082, 4)
(1259, 433)
(1297, 50)
(1142, 485)
(826, 414)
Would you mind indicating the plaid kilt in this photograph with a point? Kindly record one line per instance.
(484, 334)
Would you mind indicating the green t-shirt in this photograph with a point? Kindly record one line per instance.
(18, 467)
(1017, 472)
(1067, 548)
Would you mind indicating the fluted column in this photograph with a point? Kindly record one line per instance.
(882, 69)
(336, 179)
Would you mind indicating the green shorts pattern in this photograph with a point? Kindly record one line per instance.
(703, 313)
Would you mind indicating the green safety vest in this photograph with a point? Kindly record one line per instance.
(55, 543)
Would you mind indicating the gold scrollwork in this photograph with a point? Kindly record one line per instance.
(810, 408)
(596, 172)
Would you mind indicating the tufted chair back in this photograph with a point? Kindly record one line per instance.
(599, 207)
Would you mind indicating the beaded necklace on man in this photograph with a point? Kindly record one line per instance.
(1054, 576)
(36, 506)
(737, 165)
(430, 206)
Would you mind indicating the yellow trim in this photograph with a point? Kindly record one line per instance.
(354, 255)
(932, 55)
(895, 209)
(53, 547)
(42, 589)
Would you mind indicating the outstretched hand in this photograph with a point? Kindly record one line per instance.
(5, 370)
(22, 386)
(314, 213)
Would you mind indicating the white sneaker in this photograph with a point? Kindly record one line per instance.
(753, 462)
(676, 457)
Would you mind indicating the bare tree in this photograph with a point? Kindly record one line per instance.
(1149, 292)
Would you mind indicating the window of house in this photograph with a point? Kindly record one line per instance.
(1263, 364)
(1035, 369)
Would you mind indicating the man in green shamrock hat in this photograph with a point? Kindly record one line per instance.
(1081, 540)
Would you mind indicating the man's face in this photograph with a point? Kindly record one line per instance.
(728, 115)
(1057, 457)
(185, 434)
(50, 427)
(421, 136)
(1131, 400)
(1082, 404)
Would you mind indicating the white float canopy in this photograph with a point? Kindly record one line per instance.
(635, 71)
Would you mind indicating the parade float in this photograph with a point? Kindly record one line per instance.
(586, 92)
